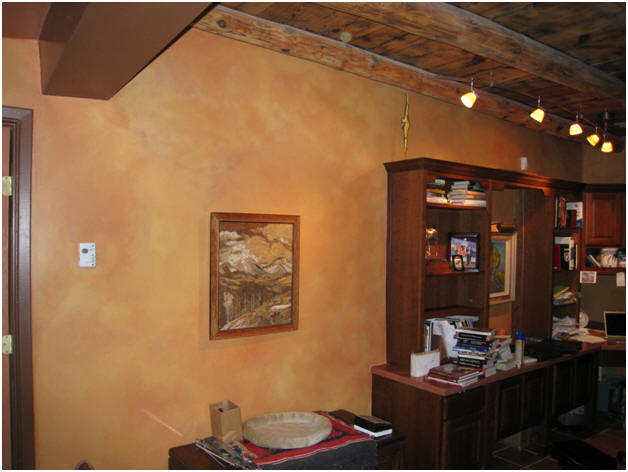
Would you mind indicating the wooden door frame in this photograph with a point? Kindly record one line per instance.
(20, 121)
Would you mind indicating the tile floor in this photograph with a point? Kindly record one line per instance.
(608, 436)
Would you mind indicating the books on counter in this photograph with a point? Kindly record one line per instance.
(454, 374)
(372, 425)
(477, 347)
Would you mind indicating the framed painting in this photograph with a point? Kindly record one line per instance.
(503, 265)
(254, 274)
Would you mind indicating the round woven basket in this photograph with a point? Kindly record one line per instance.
(287, 430)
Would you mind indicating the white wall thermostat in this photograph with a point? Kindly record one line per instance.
(87, 254)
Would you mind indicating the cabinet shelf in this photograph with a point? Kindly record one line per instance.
(447, 206)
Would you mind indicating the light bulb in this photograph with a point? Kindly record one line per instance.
(607, 146)
(538, 114)
(575, 129)
(468, 99)
(593, 138)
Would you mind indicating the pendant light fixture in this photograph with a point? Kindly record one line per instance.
(469, 98)
(594, 138)
(538, 114)
(607, 144)
(575, 128)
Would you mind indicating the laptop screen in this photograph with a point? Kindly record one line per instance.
(615, 323)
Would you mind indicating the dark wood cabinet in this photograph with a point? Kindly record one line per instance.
(509, 418)
(450, 427)
(604, 217)
(462, 442)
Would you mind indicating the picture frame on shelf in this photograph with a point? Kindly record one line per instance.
(254, 274)
(503, 262)
(465, 245)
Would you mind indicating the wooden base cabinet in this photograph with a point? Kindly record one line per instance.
(453, 428)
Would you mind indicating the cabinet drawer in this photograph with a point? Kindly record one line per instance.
(456, 406)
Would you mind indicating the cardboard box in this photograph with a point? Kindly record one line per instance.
(226, 420)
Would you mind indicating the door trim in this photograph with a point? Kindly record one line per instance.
(20, 121)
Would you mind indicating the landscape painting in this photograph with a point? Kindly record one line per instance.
(254, 262)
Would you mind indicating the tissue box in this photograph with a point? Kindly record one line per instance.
(226, 420)
(422, 362)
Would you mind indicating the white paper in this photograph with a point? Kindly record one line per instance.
(448, 332)
(420, 364)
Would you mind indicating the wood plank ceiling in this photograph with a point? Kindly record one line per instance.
(572, 55)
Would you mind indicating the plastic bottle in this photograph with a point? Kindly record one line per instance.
(519, 348)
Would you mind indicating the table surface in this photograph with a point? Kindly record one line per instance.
(189, 456)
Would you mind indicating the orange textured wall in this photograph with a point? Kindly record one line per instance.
(123, 367)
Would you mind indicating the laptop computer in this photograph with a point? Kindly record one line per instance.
(615, 325)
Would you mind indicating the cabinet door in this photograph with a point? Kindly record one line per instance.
(509, 420)
(462, 442)
(603, 214)
(562, 397)
(534, 398)
(585, 379)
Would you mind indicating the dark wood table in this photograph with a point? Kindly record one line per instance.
(389, 451)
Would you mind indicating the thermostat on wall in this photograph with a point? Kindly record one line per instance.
(87, 254)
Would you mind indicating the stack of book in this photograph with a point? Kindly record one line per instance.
(435, 192)
(565, 253)
(477, 347)
(372, 425)
(467, 193)
(453, 374)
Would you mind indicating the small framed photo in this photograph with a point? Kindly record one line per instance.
(457, 263)
(466, 246)
(588, 277)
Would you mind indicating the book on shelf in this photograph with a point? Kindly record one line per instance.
(578, 206)
(486, 334)
(568, 252)
(592, 261)
(464, 383)
(372, 425)
(453, 372)
(467, 202)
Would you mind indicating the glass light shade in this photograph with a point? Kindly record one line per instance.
(593, 139)
(575, 129)
(538, 115)
(468, 99)
(607, 146)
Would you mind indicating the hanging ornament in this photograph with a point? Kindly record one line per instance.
(405, 125)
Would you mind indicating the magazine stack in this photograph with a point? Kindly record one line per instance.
(467, 193)
(452, 374)
(478, 348)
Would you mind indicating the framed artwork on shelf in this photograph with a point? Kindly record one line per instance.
(503, 261)
(254, 274)
(466, 246)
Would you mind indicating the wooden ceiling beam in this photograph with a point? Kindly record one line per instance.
(285, 39)
(91, 50)
(463, 29)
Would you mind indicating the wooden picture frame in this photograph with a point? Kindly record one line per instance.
(503, 261)
(254, 274)
(467, 246)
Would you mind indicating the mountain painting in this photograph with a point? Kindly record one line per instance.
(253, 267)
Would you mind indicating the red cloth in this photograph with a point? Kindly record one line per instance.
(341, 435)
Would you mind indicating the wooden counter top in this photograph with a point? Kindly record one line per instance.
(403, 375)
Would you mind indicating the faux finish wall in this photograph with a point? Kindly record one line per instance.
(123, 367)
